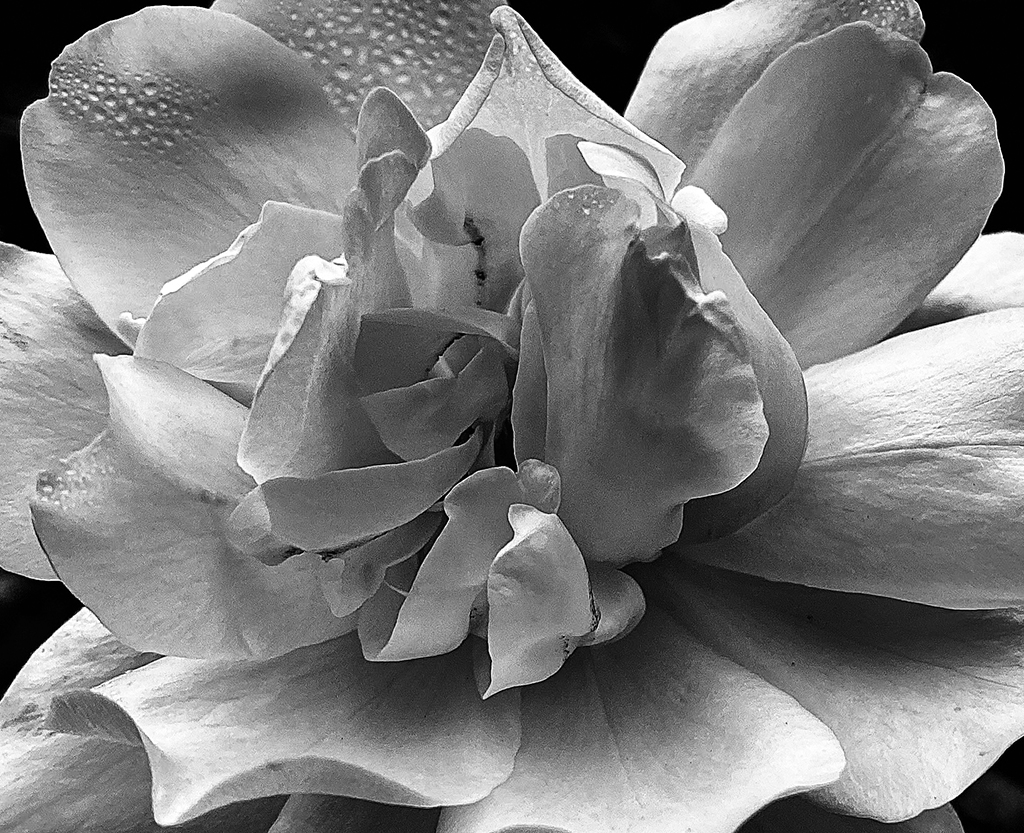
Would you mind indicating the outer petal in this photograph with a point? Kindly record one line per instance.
(914, 475)
(857, 210)
(163, 135)
(317, 720)
(797, 815)
(655, 733)
(51, 397)
(989, 277)
(219, 320)
(702, 67)
(135, 526)
(308, 813)
(922, 699)
(58, 783)
(666, 408)
(425, 52)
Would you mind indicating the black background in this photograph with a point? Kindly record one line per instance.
(605, 46)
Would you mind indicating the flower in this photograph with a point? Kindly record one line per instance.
(749, 548)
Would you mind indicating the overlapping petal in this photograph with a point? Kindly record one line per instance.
(146, 505)
(652, 398)
(842, 218)
(701, 67)
(309, 813)
(47, 334)
(318, 720)
(922, 699)
(914, 474)
(163, 136)
(427, 53)
(797, 815)
(655, 733)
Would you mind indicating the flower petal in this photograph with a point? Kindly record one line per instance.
(163, 135)
(317, 720)
(669, 409)
(523, 92)
(922, 699)
(989, 277)
(58, 783)
(914, 473)
(144, 509)
(530, 392)
(340, 508)
(655, 732)
(219, 320)
(797, 815)
(701, 67)
(310, 813)
(50, 394)
(859, 209)
(426, 54)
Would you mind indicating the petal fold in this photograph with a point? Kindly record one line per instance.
(797, 815)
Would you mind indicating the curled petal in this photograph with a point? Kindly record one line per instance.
(219, 319)
(824, 242)
(441, 47)
(668, 409)
(798, 815)
(215, 119)
(619, 602)
(913, 477)
(47, 335)
(702, 67)
(318, 720)
(145, 507)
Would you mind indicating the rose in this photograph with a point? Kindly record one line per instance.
(162, 481)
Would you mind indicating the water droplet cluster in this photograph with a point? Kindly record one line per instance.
(142, 109)
(897, 15)
(427, 52)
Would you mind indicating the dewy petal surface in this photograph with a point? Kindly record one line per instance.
(64, 783)
(218, 321)
(989, 277)
(652, 398)
(51, 396)
(655, 733)
(317, 720)
(797, 815)
(914, 474)
(425, 52)
(923, 700)
(873, 178)
(702, 67)
(135, 525)
(163, 136)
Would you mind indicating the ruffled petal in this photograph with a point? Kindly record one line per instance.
(51, 396)
(163, 136)
(60, 783)
(135, 525)
(425, 53)
(309, 813)
(989, 277)
(655, 732)
(701, 67)
(218, 321)
(669, 409)
(858, 210)
(797, 815)
(317, 720)
(914, 474)
(923, 700)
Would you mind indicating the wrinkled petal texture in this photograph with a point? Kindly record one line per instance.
(873, 178)
(652, 399)
(923, 700)
(317, 720)
(135, 526)
(427, 52)
(163, 135)
(653, 734)
(51, 396)
(914, 474)
(701, 67)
